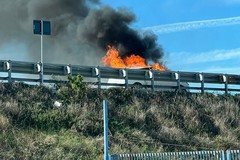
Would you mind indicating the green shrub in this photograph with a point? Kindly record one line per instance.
(74, 90)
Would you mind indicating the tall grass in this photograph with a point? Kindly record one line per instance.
(31, 127)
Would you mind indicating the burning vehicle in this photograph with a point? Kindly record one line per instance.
(136, 62)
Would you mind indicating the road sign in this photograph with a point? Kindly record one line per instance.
(41, 27)
(37, 27)
(46, 28)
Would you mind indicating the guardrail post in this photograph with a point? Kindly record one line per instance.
(177, 77)
(225, 80)
(41, 73)
(151, 76)
(125, 76)
(38, 69)
(201, 78)
(9, 69)
(97, 73)
(69, 70)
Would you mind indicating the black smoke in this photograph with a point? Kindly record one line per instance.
(81, 30)
(108, 26)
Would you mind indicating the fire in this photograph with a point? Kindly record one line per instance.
(113, 59)
(157, 66)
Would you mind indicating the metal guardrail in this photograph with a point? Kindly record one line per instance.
(194, 155)
(100, 75)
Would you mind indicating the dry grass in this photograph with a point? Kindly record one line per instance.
(32, 128)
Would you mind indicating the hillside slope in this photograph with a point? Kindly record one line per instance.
(31, 127)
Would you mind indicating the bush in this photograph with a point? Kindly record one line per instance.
(73, 91)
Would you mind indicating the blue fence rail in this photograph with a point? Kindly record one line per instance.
(195, 155)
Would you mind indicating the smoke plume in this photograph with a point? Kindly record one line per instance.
(81, 31)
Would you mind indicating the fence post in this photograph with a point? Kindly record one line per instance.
(105, 122)
(228, 155)
(223, 155)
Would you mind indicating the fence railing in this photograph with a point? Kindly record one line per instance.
(195, 155)
(99, 76)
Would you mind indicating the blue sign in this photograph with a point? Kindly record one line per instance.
(37, 27)
(46, 28)
(41, 27)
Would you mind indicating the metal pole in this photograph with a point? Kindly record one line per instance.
(41, 52)
(105, 121)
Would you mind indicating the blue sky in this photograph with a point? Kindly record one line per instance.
(208, 39)
(204, 49)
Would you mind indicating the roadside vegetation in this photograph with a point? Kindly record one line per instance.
(32, 127)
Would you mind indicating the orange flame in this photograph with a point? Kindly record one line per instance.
(113, 59)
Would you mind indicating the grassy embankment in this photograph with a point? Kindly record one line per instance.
(139, 121)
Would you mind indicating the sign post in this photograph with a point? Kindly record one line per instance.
(42, 28)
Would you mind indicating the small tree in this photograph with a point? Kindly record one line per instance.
(76, 84)
(74, 90)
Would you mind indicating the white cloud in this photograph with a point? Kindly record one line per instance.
(228, 70)
(184, 26)
(217, 61)
(210, 56)
(231, 1)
